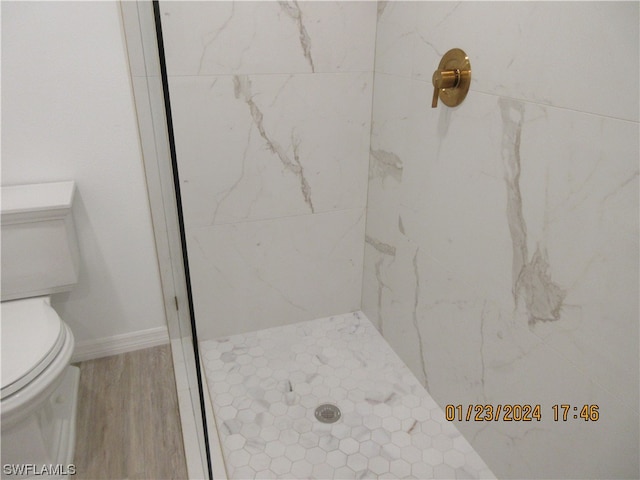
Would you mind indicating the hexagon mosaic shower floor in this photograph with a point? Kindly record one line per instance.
(266, 385)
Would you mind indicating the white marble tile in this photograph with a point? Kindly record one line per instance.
(552, 381)
(268, 37)
(267, 146)
(386, 431)
(584, 225)
(450, 195)
(396, 37)
(476, 351)
(253, 275)
(508, 236)
(578, 206)
(546, 52)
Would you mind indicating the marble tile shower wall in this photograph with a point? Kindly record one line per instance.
(272, 108)
(501, 256)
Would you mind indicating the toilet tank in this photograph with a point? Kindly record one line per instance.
(38, 240)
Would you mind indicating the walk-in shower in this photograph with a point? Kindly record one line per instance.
(380, 289)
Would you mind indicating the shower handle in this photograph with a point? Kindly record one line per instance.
(452, 79)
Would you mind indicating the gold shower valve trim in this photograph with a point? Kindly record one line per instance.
(452, 79)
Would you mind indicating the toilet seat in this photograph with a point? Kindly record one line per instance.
(32, 337)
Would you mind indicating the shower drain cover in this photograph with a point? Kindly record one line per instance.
(328, 413)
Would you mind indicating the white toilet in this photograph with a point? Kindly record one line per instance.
(39, 388)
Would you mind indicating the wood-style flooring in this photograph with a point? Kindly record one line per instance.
(128, 422)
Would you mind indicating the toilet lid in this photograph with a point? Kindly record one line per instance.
(32, 336)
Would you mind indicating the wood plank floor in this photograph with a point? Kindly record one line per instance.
(128, 421)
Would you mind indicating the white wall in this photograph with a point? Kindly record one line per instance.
(502, 235)
(68, 113)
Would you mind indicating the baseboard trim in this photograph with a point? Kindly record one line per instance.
(126, 342)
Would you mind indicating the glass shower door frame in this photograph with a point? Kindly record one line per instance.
(143, 36)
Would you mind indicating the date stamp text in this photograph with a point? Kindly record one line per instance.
(519, 413)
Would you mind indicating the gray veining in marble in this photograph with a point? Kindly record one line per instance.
(292, 9)
(381, 286)
(386, 251)
(386, 164)
(381, 247)
(222, 196)
(242, 88)
(213, 36)
(542, 296)
(512, 118)
(530, 278)
(382, 5)
(414, 317)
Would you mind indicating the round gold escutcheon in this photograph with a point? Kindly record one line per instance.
(452, 79)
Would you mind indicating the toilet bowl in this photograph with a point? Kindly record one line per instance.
(37, 415)
(38, 396)
(36, 349)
